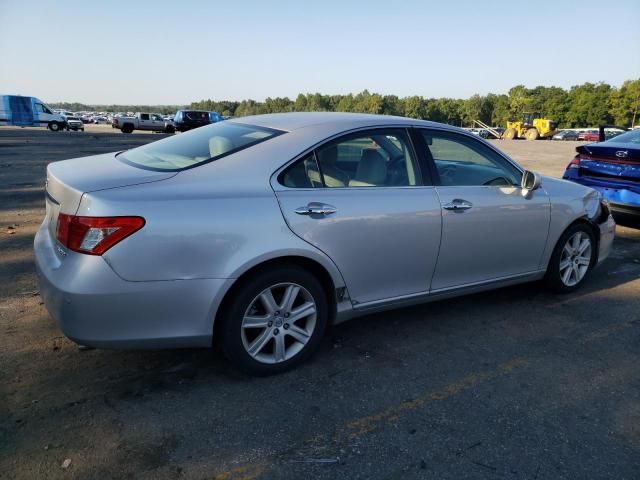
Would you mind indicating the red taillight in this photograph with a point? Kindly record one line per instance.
(94, 235)
(575, 163)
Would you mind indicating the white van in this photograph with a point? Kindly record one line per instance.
(29, 112)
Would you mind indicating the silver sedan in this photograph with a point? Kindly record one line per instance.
(256, 233)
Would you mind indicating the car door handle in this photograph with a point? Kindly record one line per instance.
(457, 205)
(315, 208)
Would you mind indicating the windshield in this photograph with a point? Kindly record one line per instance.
(629, 137)
(198, 146)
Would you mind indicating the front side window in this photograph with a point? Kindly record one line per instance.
(464, 161)
(198, 146)
(39, 108)
(379, 158)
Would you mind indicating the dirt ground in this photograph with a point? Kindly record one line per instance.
(517, 383)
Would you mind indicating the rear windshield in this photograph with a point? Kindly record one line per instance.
(629, 137)
(197, 115)
(202, 145)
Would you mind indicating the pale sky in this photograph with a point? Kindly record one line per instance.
(176, 52)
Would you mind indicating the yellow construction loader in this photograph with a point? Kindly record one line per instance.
(532, 127)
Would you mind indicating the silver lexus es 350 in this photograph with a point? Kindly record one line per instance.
(256, 233)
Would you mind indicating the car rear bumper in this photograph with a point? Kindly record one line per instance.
(93, 306)
(622, 198)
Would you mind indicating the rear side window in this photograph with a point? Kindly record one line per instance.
(377, 158)
(197, 116)
(629, 137)
(303, 174)
(198, 146)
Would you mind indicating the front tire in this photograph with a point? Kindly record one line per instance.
(275, 321)
(54, 126)
(509, 134)
(572, 260)
(532, 134)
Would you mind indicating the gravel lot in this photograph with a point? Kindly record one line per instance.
(517, 383)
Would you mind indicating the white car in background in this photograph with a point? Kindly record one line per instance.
(74, 123)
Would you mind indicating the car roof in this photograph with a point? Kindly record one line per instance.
(341, 120)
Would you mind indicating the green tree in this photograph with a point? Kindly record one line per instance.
(624, 104)
(588, 105)
(415, 107)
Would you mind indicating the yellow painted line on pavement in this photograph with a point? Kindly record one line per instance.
(249, 471)
(362, 426)
(606, 331)
(365, 425)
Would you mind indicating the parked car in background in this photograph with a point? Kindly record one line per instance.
(185, 120)
(609, 134)
(613, 168)
(259, 232)
(74, 123)
(143, 121)
(566, 135)
(29, 112)
(590, 136)
(100, 120)
(114, 123)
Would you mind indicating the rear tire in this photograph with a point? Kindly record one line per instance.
(264, 337)
(532, 134)
(127, 128)
(509, 134)
(572, 260)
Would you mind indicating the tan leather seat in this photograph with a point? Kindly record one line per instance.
(333, 176)
(219, 145)
(372, 170)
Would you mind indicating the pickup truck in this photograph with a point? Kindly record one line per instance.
(143, 121)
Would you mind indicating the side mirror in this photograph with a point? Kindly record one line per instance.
(530, 182)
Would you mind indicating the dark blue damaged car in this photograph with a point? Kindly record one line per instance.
(613, 168)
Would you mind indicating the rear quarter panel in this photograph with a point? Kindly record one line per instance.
(194, 232)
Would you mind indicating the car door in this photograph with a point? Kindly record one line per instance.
(361, 200)
(490, 229)
(157, 122)
(144, 122)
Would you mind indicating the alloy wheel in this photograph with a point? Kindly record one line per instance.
(575, 259)
(279, 323)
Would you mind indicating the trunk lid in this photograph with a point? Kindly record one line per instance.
(68, 180)
(610, 160)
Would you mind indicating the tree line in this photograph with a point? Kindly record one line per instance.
(585, 105)
(83, 107)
